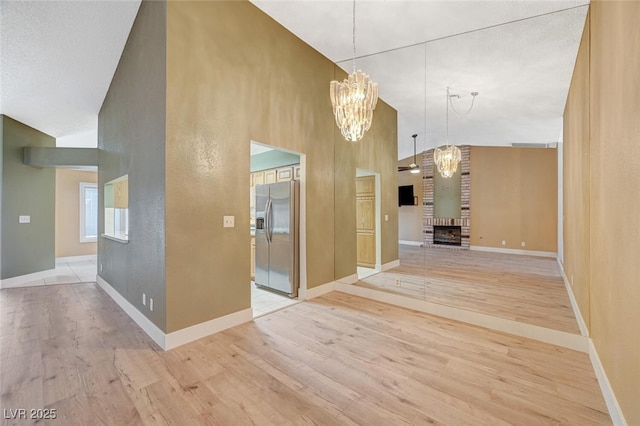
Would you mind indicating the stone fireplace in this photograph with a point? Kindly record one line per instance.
(464, 221)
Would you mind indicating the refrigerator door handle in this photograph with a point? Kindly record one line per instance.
(267, 218)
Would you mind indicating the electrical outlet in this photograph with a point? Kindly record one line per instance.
(504, 243)
(228, 221)
(144, 299)
(386, 218)
(398, 282)
(522, 244)
(24, 219)
(151, 303)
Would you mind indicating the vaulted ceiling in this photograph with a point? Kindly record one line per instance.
(57, 60)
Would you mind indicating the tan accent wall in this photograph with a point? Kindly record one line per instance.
(514, 197)
(68, 214)
(576, 236)
(376, 152)
(410, 217)
(609, 113)
(228, 85)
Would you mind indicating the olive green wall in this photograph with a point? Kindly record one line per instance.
(131, 139)
(446, 194)
(226, 86)
(514, 197)
(602, 138)
(410, 217)
(26, 190)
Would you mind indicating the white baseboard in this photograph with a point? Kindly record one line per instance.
(179, 337)
(207, 328)
(83, 258)
(574, 304)
(410, 243)
(319, 290)
(21, 280)
(152, 330)
(555, 337)
(391, 265)
(610, 399)
(515, 251)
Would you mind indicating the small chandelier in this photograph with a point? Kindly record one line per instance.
(447, 157)
(354, 99)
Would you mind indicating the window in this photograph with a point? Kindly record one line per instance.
(88, 212)
(116, 209)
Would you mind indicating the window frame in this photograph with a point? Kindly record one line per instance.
(82, 212)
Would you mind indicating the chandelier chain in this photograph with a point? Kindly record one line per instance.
(473, 99)
(354, 35)
(447, 104)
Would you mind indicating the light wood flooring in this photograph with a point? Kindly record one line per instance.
(334, 360)
(526, 289)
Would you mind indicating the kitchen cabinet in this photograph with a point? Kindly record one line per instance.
(257, 178)
(270, 176)
(121, 194)
(284, 174)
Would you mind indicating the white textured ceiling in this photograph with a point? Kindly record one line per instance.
(57, 60)
(518, 54)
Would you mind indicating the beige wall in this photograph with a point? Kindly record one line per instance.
(376, 152)
(576, 234)
(226, 86)
(410, 217)
(68, 215)
(514, 198)
(609, 131)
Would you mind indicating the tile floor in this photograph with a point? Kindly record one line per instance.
(365, 272)
(264, 301)
(67, 273)
(73, 272)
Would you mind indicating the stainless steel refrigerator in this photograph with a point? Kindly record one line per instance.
(277, 213)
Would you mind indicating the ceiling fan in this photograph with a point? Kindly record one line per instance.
(414, 167)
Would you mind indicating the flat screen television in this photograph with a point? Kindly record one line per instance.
(405, 195)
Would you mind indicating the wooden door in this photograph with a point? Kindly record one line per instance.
(366, 221)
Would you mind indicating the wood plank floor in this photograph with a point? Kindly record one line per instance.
(526, 289)
(334, 360)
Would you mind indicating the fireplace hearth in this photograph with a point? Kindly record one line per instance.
(447, 235)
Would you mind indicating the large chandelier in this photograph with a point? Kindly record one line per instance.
(447, 157)
(447, 160)
(354, 99)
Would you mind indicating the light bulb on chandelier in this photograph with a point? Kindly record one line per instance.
(354, 99)
(447, 157)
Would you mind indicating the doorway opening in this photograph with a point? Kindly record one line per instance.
(368, 235)
(278, 228)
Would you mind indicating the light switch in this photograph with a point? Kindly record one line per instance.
(228, 221)
(24, 219)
